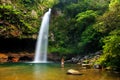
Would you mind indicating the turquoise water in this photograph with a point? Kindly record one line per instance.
(51, 71)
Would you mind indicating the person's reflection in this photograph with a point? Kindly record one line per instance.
(62, 62)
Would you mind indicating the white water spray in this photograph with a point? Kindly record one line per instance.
(42, 41)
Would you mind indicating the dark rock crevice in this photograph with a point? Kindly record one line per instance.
(17, 45)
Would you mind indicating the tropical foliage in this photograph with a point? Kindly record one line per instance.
(109, 25)
(76, 27)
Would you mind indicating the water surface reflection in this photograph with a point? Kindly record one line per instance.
(50, 71)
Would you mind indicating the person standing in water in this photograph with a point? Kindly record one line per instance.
(62, 62)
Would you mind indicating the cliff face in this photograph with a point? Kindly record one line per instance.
(13, 20)
(21, 18)
(19, 23)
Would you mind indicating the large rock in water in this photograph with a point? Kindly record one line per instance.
(73, 72)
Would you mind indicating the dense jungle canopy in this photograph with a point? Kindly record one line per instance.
(77, 26)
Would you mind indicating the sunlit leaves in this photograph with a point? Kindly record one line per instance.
(13, 24)
(109, 25)
(75, 29)
(88, 34)
(114, 5)
(87, 16)
(24, 15)
(108, 22)
(112, 45)
(111, 49)
(50, 3)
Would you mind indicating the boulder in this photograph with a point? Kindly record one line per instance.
(15, 59)
(97, 66)
(73, 72)
(3, 57)
(87, 66)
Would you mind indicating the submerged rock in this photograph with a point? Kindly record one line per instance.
(73, 72)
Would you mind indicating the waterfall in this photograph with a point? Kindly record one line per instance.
(42, 41)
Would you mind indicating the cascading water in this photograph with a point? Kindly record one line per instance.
(42, 41)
